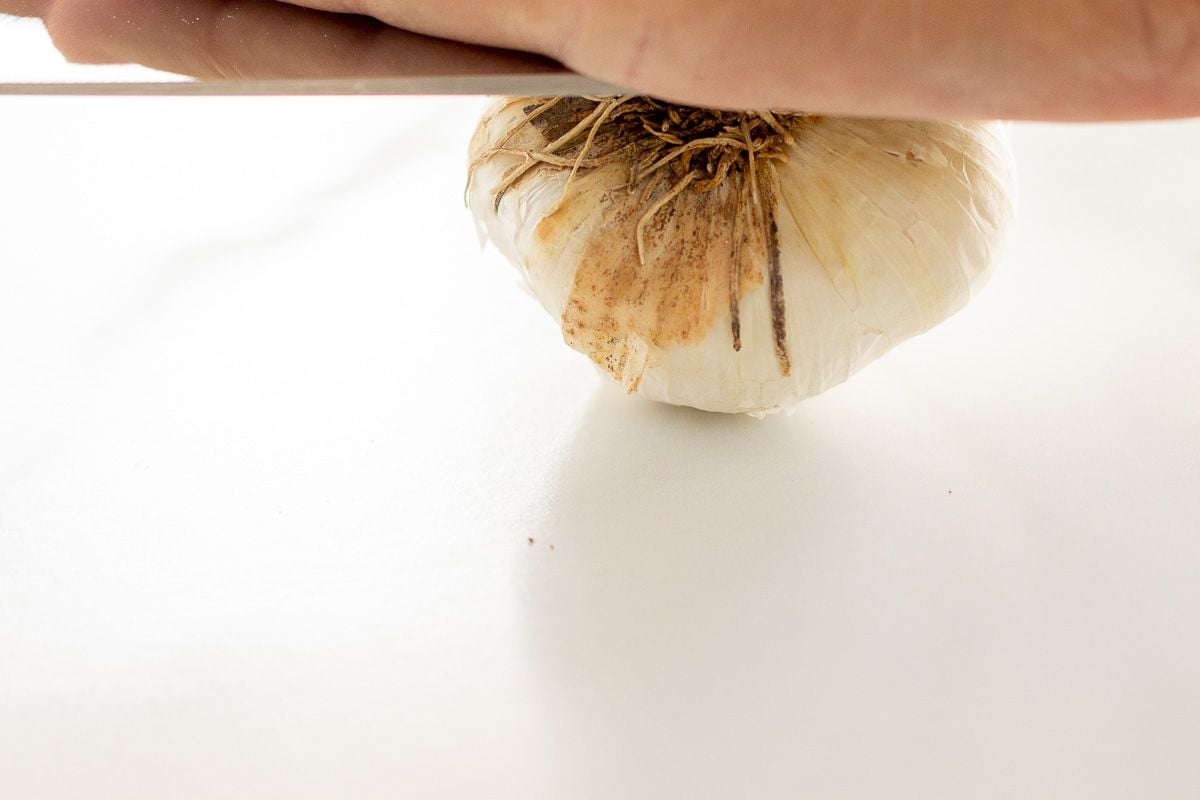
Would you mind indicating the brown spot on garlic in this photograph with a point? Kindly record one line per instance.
(689, 233)
(625, 305)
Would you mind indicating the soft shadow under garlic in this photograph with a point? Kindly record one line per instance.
(672, 608)
(716, 606)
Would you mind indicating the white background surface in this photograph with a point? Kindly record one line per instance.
(275, 435)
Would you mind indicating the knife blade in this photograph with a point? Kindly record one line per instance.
(564, 82)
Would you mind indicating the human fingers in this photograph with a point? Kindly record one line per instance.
(252, 39)
(1044, 59)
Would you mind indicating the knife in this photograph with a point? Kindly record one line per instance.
(564, 82)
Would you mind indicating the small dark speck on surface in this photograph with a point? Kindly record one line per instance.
(531, 541)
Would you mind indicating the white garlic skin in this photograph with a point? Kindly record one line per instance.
(885, 229)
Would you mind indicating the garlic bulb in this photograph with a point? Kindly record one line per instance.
(738, 262)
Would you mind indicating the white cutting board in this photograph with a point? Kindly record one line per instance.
(300, 497)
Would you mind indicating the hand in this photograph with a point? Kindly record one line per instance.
(1044, 59)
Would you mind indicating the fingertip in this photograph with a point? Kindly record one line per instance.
(74, 29)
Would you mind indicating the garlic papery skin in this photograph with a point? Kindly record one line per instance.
(738, 262)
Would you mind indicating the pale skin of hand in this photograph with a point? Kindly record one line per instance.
(1016, 59)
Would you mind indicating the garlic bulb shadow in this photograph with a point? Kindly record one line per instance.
(671, 611)
(721, 607)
